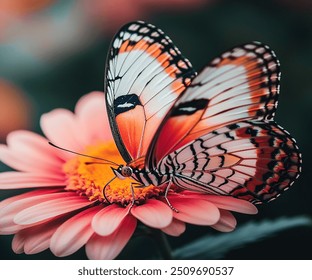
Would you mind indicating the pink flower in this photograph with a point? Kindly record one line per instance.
(67, 209)
(13, 99)
(103, 13)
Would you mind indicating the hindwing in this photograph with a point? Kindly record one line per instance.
(252, 160)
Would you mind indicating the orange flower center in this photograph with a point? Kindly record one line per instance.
(88, 176)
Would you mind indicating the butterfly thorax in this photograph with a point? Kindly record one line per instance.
(143, 176)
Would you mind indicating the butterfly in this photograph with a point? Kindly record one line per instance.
(211, 132)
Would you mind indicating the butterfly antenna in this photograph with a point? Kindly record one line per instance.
(102, 159)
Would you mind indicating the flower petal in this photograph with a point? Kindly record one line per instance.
(195, 211)
(92, 116)
(48, 208)
(17, 180)
(153, 213)
(232, 204)
(28, 151)
(38, 237)
(35, 239)
(11, 199)
(11, 206)
(74, 233)
(61, 128)
(106, 221)
(108, 247)
(18, 243)
(226, 223)
(176, 228)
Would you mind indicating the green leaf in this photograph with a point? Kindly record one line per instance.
(215, 247)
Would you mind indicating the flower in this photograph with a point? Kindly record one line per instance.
(102, 13)
(13, 99)
(67, 208)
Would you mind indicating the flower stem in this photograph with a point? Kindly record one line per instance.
(163, 244)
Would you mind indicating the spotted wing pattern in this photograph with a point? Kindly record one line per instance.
(145, 74)
(252, 160)
(241, 84)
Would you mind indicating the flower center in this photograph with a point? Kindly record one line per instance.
(88, 176)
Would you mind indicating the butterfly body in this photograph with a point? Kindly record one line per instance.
(213, 132)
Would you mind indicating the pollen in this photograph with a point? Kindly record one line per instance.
(88, 176)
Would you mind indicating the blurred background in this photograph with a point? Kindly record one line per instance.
(53, 51)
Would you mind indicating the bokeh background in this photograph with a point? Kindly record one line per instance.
(53, 51)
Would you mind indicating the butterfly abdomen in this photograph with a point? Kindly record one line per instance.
(153, 177)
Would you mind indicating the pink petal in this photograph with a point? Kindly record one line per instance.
(176, 228)
(9, 227)
(34, 239)
(11, 206)
(50, 207)
(153, 213)
(233, 204)
(226, 223)
(108, 247)
(195, 211)
(92, 116)
(224, 202)
(62, 129)
(17, 180)
(18, 243)
(11, 199)
(74, 233)
(106, 221)
(38, 237)
(27, 194)
(27, 151)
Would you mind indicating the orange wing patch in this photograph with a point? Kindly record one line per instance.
(130, 124)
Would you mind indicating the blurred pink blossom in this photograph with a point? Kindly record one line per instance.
(34, 30)
(111, 14)
(15, 109)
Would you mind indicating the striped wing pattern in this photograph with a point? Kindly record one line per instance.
(252, 160)
(145, 74)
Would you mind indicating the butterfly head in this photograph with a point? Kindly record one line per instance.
(123, 171)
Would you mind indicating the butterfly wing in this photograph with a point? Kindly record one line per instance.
(251, 160)
(145, 73)
(241, 84)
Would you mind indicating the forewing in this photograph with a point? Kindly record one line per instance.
(145, 73)
(252, 160)
(241, 84)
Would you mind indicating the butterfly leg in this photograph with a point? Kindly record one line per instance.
(104, 189)
(166, 197)
(133, 195)
(132, 186)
